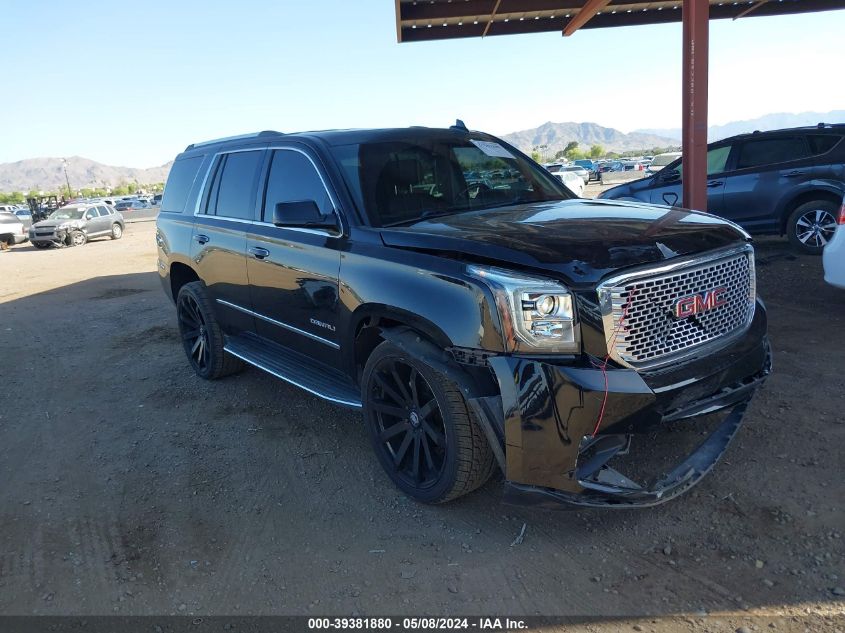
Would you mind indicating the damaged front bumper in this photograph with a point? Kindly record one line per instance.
(554, 459)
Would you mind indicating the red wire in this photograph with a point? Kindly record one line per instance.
(607, 359)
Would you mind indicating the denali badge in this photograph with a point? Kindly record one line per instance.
(698, 303)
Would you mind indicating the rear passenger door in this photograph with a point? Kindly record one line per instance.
(293, 272)
(218, 245)
(766, 169)
(105, 219)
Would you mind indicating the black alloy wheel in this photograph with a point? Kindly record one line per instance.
(422, 431)
(194, 333)
(201, 335)
(409, 422)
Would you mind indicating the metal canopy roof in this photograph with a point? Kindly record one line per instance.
(423, 20)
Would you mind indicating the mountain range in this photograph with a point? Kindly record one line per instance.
(48, 174)
(555, 137)
(768, 122)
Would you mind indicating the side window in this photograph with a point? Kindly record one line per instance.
(822, 144)
(179, 181)
(292, 178)
(233, 192)
(103, 211)
(771, 151)
(717, 159)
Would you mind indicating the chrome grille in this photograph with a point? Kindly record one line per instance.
(638, 309)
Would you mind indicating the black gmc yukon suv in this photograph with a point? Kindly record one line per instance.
(478, 312)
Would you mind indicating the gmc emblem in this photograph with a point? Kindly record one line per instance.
(698, 303)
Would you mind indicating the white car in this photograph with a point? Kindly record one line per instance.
(833, 255)
(572, 180)
(660, 161)
(12, 230)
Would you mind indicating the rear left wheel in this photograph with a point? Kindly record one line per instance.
(201, 335)
(812, 225)
(116, 231)
(423, 433)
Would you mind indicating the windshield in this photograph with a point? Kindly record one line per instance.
(68, 213)
(403, 181)
(663, 160)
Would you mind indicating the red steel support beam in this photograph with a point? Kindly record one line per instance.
(696, 22)
(590, 8)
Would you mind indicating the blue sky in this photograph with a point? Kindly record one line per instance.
(132, 83)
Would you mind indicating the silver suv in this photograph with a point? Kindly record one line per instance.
(75, 224)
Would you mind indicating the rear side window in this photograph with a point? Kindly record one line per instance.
(293, 178)
(821, 144)
(771, 151)
(179, 182)
(103, 211)
(233, 191)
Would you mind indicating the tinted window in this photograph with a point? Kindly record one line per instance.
(292, 178)
(770, 151)
(103, 211)
(179, 183)
(233, 195)
(820, 144)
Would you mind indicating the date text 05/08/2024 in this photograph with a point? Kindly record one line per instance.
(416, 623)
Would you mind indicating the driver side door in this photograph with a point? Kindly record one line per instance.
(293, 272)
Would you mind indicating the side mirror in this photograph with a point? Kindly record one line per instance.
(302, 214)
(670, 175)
(89, 216)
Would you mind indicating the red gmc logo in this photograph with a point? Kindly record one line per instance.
(698, 303)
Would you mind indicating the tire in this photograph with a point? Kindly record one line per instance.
(76, 238)
(116, 231)
(201, 335)
(423, 433)
(812, 225)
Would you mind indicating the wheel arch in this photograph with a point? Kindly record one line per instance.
(369, 322)
(180, 274)
(821, 192)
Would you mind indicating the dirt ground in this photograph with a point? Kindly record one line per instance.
(130, 486)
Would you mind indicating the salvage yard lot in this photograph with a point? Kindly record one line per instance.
(131, 486)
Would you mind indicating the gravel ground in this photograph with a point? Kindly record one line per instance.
(130, 486)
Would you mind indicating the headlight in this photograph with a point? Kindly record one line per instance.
(538, 314)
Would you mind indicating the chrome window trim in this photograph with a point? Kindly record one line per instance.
(335, 205)
(686, 263)
(281, 324)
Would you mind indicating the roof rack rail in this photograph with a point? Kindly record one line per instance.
(238, 137)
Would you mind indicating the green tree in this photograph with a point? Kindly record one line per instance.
(596, 151)
(535, 156)
(570, 146)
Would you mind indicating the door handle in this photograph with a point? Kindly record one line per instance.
(258, 253)
(793, 174)
(715, 183)
(202, 239)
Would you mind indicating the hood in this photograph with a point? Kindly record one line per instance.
(50, 224)
(580, 240)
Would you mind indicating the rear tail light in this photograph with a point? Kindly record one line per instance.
(841, 219)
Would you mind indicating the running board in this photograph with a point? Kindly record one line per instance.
(295, 368)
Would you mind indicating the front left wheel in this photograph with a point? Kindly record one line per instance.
(423, 433)
(201, 335)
